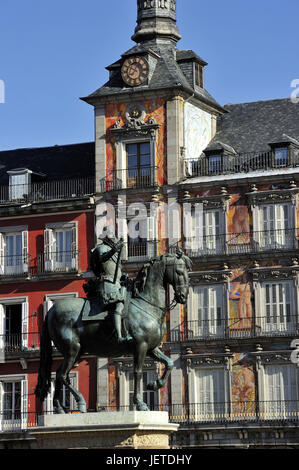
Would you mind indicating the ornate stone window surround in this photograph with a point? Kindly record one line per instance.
(282, 196)
(134, 131)
(262, 275)
(209, 278)
(264, 358)
(207, 361)
(210, 203)
(125, 365)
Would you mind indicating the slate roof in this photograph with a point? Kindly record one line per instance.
(167, 75)
(250, 127)
(58, 162)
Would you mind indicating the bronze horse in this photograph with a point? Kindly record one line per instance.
(145, 322)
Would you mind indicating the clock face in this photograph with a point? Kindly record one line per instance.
(134, 71)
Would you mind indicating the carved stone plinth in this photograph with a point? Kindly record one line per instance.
(131, 430)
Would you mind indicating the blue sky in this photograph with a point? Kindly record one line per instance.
(54, 51)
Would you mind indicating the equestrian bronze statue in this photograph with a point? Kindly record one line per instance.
(119, 317)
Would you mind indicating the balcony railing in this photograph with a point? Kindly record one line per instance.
(19, 342)
(221, 413)
(242, 163)
(14, 265)
(236, 411)
(47, 190)
(237, 328)
(141, 250)
(243, 243)
(57, 262)
(136, 178)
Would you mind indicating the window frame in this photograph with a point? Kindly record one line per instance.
(219, 330)
(121, 158)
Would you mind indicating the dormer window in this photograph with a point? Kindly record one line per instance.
(19, 181)
(198, 72)
(280, 156)
(215, 163)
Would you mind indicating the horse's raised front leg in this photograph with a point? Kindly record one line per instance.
(139, 357)
(161, 357)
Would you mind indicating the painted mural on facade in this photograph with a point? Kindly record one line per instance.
(198, 130)
(155, 108)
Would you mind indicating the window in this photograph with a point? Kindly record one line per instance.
(215, 164)
(67, 399)
(206, 231)
(207, 311)
(139, 165)
(276, 226)
(277, 307)
(19, 182)
(198, 75)
(151, 398)
(14, 324)
(142, 238)
(13, 253)
(210, 394)
(61, 248)
(280, 387)
(280, 156)
(13, 403)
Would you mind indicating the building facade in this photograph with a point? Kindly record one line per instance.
(173, 168)
(46, 233)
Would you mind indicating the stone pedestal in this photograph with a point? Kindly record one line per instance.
(125, 430)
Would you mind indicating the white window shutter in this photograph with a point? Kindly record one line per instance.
(47, 305)
(25, 250)
(188, 226)
(151, 236)
(74, 248)
(24, 403)
(25, 318)
(197, 222)
(122, 232)
(2, 255)
(2, 328)
(190, 301)
(1, 404)
(49, 255)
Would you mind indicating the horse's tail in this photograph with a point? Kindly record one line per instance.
(44, 374)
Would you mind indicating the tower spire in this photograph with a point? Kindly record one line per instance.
(156, 19)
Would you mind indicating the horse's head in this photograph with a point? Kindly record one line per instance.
(176, 274)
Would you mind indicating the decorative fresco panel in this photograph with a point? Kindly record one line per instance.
(155, 108)
(198, 130)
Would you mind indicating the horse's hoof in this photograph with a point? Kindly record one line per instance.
(152, 386)
(59, 411)
(142, 407)
(82, 408)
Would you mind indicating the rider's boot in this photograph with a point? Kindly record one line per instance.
(117, 325)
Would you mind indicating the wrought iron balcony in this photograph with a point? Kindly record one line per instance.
(136, 178)
(221, 413)
(14, 266)
(141, 250)
(235, 412)
(47, 191)
(242, 163)
(243, 243)
(57, 262)
(19, 342)
(237, 328)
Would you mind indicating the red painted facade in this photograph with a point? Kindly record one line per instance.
(36, 287)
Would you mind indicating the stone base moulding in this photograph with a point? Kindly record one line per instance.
(125, 430)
